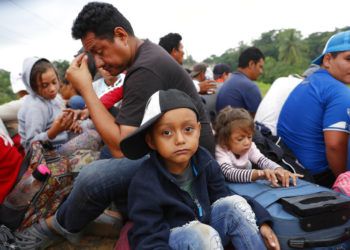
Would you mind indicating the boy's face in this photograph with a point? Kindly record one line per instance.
(48, 84)
(175, 136)
(240, 141)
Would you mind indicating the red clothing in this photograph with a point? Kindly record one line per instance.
(10, 163)
(112, 97)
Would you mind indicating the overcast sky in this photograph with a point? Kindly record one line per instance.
(42, 27)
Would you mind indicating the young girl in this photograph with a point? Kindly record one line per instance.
(42, 116)
(235, 151)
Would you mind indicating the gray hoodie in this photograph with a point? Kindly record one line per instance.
(37, 114)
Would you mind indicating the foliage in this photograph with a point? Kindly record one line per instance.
(6, 93)
(264, 87)
(286, 52)
(61, 66)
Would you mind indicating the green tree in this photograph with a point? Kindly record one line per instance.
(61, 66)
(290, 48)
(6, 93)
(267, 44)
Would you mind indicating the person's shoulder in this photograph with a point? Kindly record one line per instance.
(147, 170)
(148, 50)
(150, 58)
(323, 80)
(33, 102)
(240, 80)
(204, 159)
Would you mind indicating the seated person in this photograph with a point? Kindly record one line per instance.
(236, 152)
(239, 91)
(173, 45)
(192, 208)
(42, 118)
(200, 80)
(9, 111)
(107, 82)
(71, 96)
(10, 162)
(314, 121)
(270, 107)
(221, 73)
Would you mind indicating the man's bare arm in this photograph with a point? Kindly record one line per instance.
(336, 150)
(104, 122)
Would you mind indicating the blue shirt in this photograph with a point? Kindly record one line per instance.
(317, 104)
(239, 92)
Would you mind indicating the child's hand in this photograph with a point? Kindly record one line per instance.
(269, 237)
(269, 174)
(60, 124)
(76, 128)
(284, 176)
(258, 174)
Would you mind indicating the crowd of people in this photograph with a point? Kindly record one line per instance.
(170, 137)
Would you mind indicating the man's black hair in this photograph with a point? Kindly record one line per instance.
(170, 41)
(101, 19)
(249, 54)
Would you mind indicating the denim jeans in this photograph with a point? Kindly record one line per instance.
(97, 185)
(105, 153)
(232, 219)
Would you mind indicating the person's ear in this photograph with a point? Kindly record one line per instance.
(326, 60)
(173, 52)
(149, 141)
(251, 64)
(120, 33)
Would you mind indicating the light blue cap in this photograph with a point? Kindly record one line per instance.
(338, 42)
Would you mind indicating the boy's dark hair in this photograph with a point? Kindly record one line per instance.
(39, 68)
(249, 54)
(101, 19)
(170, 41)
(230, 119)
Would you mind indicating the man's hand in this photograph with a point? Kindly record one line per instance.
(78, 73)
(207, 85)
(269, 237)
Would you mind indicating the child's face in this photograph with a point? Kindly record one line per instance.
(175, 136)
(66, 91)
(48, 84)
(240, 141)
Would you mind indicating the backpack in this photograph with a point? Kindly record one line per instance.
(54, 190)
(273, 148)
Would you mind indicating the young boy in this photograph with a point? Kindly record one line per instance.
(178, 198)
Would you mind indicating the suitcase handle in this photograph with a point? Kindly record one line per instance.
(301, 243)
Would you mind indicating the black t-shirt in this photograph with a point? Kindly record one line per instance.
(154, 69)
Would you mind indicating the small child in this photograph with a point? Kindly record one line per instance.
(178, 198)
(235, 151)
(42, 116)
